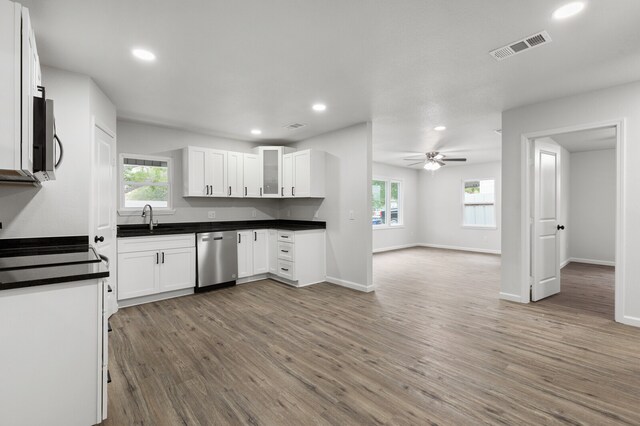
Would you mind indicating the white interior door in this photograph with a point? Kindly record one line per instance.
(546, 214)
(103, 235)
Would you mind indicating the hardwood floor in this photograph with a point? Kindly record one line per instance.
(432, 345)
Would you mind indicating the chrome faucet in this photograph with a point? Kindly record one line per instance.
(144, 209)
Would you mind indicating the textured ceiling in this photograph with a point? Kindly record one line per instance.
(225, 67)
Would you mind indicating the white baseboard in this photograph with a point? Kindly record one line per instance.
(592, 261)
(391, 248)
(565, 263)
(628, 320)
(476, 250)
(511, 297)
(351, 285)
(154, 297)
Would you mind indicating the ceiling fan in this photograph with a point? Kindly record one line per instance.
(432, 160)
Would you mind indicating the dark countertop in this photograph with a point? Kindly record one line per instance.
(140, 230)
(29, 262)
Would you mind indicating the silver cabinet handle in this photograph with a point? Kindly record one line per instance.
(285, 269)
(282, 192)
(162, 257)
(207, 188)
(293, 191)
(157, 258)
(285, 251)
(245, 191)
(261, 191)
(239, 238)
(255, 236)
(229, 191)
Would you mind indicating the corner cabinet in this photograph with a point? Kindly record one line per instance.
(271, 171)
(297, 258)
(303, 174)
(150, 266)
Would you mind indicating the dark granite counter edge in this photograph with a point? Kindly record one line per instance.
(130, 231)
(54, 280)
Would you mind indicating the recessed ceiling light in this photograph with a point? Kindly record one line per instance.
(568, 10)
(144, 55)
(256, 132)
(319, 107)
(439, 128)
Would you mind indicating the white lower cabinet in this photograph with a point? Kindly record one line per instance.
(297, 258)
(53, 362)
(245, 254)
(155, 265)
(253, 252)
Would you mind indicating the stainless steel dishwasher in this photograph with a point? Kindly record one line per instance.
(217, 259)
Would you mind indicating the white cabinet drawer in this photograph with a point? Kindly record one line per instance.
(288, 236)
(160, 242)
(286, 270)
(285, 251)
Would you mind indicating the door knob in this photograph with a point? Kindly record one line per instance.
(99, 239)
(560, 227)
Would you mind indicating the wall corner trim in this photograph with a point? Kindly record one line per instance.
(352, 285)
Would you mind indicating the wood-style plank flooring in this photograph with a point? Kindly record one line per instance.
(432, 345)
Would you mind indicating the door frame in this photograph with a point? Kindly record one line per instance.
(525, 205)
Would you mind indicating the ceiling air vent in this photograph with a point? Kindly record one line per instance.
(519, 46)
(294, 126)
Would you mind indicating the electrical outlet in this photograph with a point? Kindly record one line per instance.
(351, 215)
(212, 214)
(254, 213)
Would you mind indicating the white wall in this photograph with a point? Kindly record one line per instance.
(592, 230)
(440, 208)
(60, 207)
(348, 189)
(136, 138)
(620, 102)
(407, 235)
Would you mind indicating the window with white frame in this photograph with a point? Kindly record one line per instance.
(386, 203)
(479, 203)
(145, 180)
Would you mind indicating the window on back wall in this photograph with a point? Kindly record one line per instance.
(386, 203)
(145, 180)
(479, 203)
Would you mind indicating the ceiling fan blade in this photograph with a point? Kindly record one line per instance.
(414, 164)
(440, 162)
(413, 159)
(454, 159)
(438, 157)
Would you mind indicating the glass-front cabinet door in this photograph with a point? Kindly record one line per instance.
(271, 171)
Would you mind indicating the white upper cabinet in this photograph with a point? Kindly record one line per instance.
(235, 174)
(218, 169)
(194, 167)
(271, 171)
(287, 175)
(251, 175)
(19, 80)
(304, 174)
(204, 172)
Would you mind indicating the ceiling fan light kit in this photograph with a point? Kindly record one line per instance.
(432, 160)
